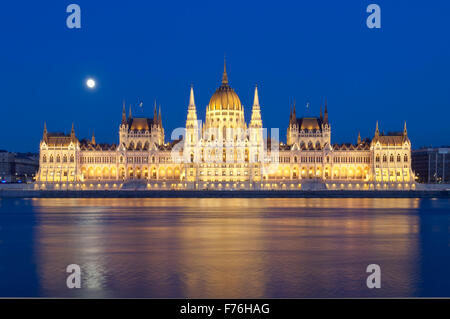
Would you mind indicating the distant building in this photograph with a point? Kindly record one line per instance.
(432, 165)
(18, 167)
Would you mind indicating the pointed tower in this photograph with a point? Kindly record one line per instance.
(405, 131)
(326, 127)
(93, 138)
(191, 121)
(224, 75)
(123, 127)
(256, 121)
(290, 114)
(191, 134)
(124, 115)
(44, 134)
(377, 131)
(292, 130)
(294, 116)
(359, 138)
(191, 98)
(129, 114)
(160, 127)
(256, 131)
(72, 133)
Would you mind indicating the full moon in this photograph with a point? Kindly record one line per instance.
(90, 83)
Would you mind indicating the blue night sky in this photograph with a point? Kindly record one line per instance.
(302, 50)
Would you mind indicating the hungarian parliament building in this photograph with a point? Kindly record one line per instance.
(224, 153)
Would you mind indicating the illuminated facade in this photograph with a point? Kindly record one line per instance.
(225, 153)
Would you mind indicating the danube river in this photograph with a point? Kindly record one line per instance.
(225, 248)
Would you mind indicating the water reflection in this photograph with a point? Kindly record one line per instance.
(434, 248)
(226, 248)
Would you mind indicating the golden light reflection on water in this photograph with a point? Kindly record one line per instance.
(226, 248)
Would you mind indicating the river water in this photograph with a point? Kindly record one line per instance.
(225, 248)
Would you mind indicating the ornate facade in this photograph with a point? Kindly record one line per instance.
(225, 153)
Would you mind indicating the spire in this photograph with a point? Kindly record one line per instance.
(129, 114)
(256, 97)
(191, 121)
(191, 98)
(93, 138)
(256, 121)
(377, 131)
(294, 116)
(291, 114)
(405, 131)
(124, 114)
(72, 132)
(44, 135)
(224, 76)
(159, 116)
(359, 138)
(325, 116)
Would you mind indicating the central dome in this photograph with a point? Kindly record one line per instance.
(224, 112)
(224, 98)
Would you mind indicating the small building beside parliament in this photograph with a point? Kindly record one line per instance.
(225, 153)
(431, 165)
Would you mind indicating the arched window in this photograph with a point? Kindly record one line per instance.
(192, 157)
(295, 159)
(391, 158)
(72, 159)
(58, 159)
(399, 158)
(384, 158)
(65, 159)
(377, 159)
(44, 159)
(406, 158)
